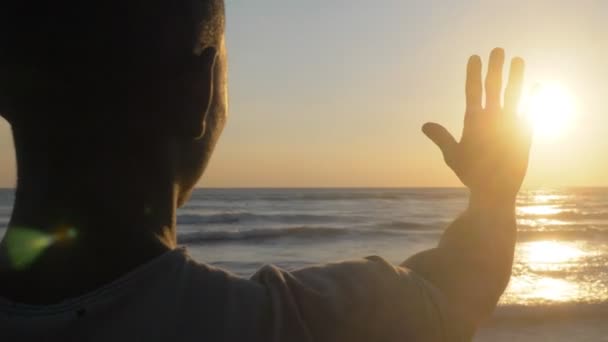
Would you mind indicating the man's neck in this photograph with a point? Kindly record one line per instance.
(74, 239)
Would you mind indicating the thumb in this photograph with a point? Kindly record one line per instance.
(441, 137)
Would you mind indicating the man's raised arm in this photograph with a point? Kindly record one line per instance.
(472, 263)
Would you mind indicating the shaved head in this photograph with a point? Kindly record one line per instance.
(63, 59)
(113, 88)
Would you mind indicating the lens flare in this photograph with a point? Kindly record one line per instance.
(25, 245)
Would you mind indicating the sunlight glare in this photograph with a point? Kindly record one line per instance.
(545, 289)
(547, 252)
(539, 210)
(550, 110)
(540, 280)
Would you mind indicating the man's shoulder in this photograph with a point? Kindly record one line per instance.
(197, 276)
(216, 298)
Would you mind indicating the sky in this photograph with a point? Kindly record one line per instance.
(332, 93)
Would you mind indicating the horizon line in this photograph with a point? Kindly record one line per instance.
(394, 187)
(371, 187)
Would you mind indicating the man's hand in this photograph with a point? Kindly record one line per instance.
(472, 264)
(492, 155)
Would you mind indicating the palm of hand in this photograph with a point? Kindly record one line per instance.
(492, 155)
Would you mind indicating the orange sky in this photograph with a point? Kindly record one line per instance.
(333, 93)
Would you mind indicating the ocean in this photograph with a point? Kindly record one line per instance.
(559, 287)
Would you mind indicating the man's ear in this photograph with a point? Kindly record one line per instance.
(198, 94)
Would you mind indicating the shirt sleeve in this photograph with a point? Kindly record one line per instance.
(363, 300)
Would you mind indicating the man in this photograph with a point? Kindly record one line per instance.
(115, 109)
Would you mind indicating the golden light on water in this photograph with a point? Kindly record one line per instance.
(544, 198)
(550, 109)
(548, 271)
(544, 289)
(539, 260)
(557, 259)
(550, 252)
(538, 210)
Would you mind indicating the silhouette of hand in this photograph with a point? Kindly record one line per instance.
(492, 155)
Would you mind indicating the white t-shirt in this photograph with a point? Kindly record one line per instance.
(174, 298)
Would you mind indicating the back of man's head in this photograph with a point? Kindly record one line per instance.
(73, 62)
(141, 82)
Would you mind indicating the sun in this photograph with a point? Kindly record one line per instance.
(550, 110)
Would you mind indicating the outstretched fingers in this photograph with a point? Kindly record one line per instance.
(443, 139)
(473, 88)
(514, 86)
(494, 79)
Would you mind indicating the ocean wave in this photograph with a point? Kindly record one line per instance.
(577, 215)
(246, 217)
(568, 214)
(563, 233)
(402, 225)
(328, 194)
(547, 312)
(338, 196)
(264, 234)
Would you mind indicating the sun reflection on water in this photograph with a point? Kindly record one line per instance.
(550, 271)
(550, 252)
(533, 289)
(547, 197)
(538, 210)
(561, 255)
